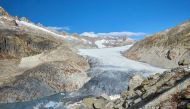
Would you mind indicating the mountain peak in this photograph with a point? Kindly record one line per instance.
(3, 12)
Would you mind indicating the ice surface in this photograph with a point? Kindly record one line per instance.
(110, 71)
(113, 57)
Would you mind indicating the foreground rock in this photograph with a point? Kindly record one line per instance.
(168, 90)
(167, 49)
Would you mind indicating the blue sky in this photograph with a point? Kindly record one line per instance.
(101, 16)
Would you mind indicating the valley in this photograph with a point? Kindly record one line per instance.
(44, 68)
(103, 71)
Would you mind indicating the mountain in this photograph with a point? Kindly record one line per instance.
(3, 12)
(36, 62)
(165, 49)
(107, 40)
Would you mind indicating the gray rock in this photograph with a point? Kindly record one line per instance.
(135, 81)
(125, 105)
(138, 92)
(185, 59)
(129, 102)
(99, 104)
(188, 105)
(149, 91)
(188, 88)
(137, 100)
(109, 105)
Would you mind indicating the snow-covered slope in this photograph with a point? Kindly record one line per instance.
(23, 23)
(108, 42)
(67, 37)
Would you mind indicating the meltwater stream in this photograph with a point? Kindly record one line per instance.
(109, 73)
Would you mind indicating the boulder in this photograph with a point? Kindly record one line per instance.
(135, 81)
(185, 59)
(188, 88)
(109, 105)
(100, 104)
(171, 54)
(88, 101)
(137, 100)
(138, 92)
(188, 105)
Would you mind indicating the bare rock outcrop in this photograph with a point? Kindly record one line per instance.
(17, 44)
(43, 80)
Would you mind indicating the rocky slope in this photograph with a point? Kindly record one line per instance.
(18, 41)
(165, 49)
(35, 61)
(170, 90)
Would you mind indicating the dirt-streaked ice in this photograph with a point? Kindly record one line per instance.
(113, 57)
(110, 71)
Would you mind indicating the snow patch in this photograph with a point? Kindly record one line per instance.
(23, 23)
(114, 97)
(99, 43)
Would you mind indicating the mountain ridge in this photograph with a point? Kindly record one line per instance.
(164, 49)
(36, 62)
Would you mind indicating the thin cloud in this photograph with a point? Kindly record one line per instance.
(112, 34)
(65, 28)
(89, 34)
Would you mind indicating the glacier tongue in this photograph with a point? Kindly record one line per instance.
(113, 57)
(110, 75)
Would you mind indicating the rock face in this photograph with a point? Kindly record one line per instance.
(3, 12)
(17, 41)
(17, 44)
(165, 49)
(43, 80)
(170, 89)
(36, 62)
(135, 81)
(159, 88)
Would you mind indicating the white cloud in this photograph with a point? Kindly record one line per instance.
(112, 34)
(65, 28)
(90, 34)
